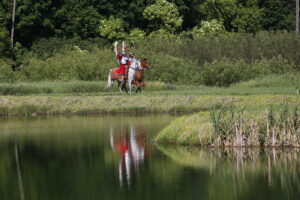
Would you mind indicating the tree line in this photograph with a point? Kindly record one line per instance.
(82, 18)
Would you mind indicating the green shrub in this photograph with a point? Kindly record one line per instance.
(275, 65)
(6, 72)
(71, 65)
(215, 61)
(234, 46)
(170, 69)
(45, 48)
(224, 72)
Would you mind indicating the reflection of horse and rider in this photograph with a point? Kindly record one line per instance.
(130, 70)
(133, 150)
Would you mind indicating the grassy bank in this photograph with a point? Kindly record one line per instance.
(142, 104)
(93, 97)
(60, 87)
(273, 126)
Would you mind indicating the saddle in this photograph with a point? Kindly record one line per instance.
(115, 75)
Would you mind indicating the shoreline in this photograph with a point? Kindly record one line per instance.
(138, 104)
(236, 128)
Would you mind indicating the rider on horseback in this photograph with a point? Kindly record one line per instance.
(122, 59)
(131, 57)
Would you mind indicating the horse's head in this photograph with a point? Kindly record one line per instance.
(145, 64)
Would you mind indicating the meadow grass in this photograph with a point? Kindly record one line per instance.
(60, 87)
(272, 81)
(89, 97)
(272, 84)
(136, 104)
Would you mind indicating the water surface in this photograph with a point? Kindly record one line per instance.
(114, 157)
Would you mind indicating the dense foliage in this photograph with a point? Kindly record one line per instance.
(201, 42)
(221, 60)
(82, 18)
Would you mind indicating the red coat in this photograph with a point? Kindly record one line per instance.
(123, 62)
(121, 70)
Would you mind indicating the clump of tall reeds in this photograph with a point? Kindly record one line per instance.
(234, 127)
(283, 128)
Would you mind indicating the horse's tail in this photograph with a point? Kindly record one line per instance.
(109, 79)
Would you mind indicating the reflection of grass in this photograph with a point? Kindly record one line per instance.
(236, 172)
(187, 130)
(189, 156)
(166, 172)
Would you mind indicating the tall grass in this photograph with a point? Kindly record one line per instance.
(59, 87)
(235, 128)
(272, 84)
(272, 80)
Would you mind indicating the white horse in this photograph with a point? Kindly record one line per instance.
(135, 66)
(135, 73)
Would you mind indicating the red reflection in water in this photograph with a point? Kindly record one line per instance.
(131, 145)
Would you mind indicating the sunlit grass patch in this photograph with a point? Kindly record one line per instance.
(188, 130)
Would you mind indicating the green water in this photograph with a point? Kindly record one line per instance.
(114, 157)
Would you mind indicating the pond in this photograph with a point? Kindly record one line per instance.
(115, 157)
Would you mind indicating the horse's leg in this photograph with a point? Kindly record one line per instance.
(119, 85)
(138, 87)
(111, 84)
(124, 86)
(142, 83)
(130, 85)
(109, 80)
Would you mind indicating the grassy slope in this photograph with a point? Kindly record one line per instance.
(197, 129)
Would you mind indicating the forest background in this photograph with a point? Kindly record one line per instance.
(200, 42)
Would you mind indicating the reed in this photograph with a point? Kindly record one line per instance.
(232, 125)
(275, 129)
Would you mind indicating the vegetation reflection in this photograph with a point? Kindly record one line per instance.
(235, 173)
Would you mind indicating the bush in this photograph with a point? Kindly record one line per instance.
(234, 46)
(170, 69)
(71, 65)
(226, 72)
(215, 61)
(275, 65)
(6, 72)
(45, 48)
